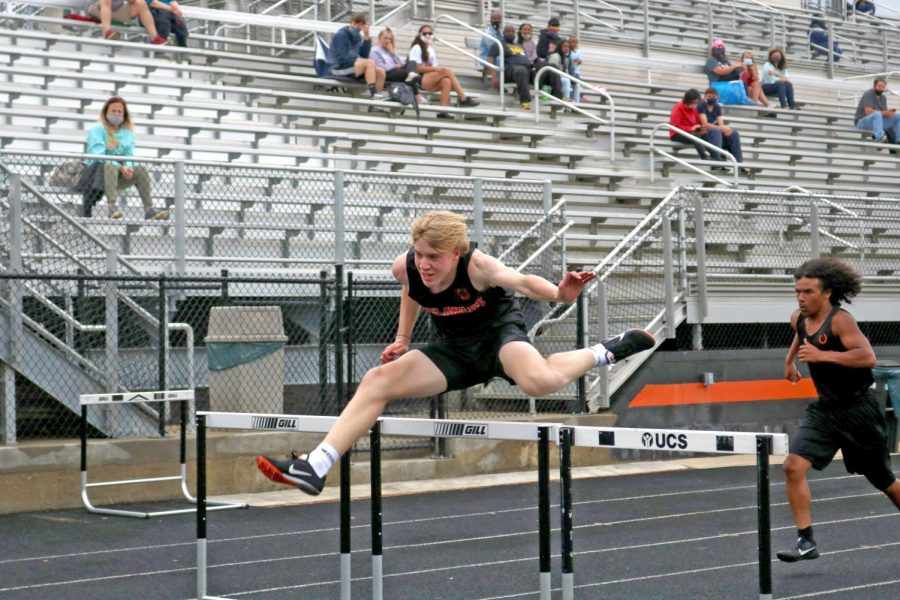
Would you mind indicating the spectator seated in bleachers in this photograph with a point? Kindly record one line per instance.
(873, 114)
(493, 30)
(818, 39)
(434, 77)
(575, 58)
(861, 6)
(518, 68)
(525, 39)
(686, 117)
(713, 128)
(113, 136)
(349, 56)
(751, 79)
(168, 20)
(123, 11)
(725, 75)
(565, 59)
(385, 57)
(776, 80)
(548, 44)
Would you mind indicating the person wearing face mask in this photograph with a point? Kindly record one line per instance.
(685, 117)
(494, 30)
(776, 82)
(519, 69)
(548, 45)
(718, 67)
(873, 114)
(113, 136)
(525, 40)
(751, 80)
(434, 77)
(713, 127)
(349, 56)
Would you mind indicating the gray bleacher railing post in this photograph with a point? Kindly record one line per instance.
(163, 366)
(112, 324)
(180, 219)
(478, 210)
(581, 342)
(430, 9)
(502, 8)
(339, 234)
(764, 519)
(566, 436)
(772, 43)
(814, 229)
(830, 54)
(884, 48)
(577, 10)
(700, 235)
(376, 518)
(709, 24)
(372, 17)
(14, 315)
(544, 510)
(603, 333)
(682, 246)
(547, 197)
(645, 48)
(668, 276)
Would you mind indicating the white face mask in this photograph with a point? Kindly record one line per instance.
(748, 61)
(115, 120)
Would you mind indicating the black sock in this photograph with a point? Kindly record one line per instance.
(371, 89)
(806, 534)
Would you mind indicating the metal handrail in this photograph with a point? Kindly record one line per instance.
(608, 5)
(885, 74)
(775, 11)
(501, 69)
(696, 140)
(599, 91)
(264, 12)
(601, 22)
(556, 207)
(392, 12)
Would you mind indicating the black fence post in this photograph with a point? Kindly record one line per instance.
(323, 343)
(163, 340)
(580, 342)
(764, 521)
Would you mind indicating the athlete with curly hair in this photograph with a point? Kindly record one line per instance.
(481, 335)
(846, 415)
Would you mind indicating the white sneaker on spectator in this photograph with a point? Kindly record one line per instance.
(422, 100)
(411, 77)
(380, 96)
(156, 214)
(115, 212)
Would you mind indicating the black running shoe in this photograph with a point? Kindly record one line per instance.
(630, 341)
(805, 550)
(294, 471)
(468, 102)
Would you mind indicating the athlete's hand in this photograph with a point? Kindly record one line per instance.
(394, 351)
(808, 353)
(571, 285)
(791, 372)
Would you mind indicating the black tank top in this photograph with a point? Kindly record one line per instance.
(460, 310)
(834, 383)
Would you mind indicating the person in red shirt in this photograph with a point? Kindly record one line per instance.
(684, 116)
(751, 80)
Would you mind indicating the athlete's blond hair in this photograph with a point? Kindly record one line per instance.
(442, 230)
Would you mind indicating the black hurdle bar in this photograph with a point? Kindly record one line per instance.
(566, 437)
(763, 513)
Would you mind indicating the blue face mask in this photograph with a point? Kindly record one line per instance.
(711, 102)
(115, 120)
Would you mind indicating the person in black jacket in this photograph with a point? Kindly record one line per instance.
(349, 56)
(548, 45)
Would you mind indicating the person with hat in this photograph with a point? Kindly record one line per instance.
(719, 68)
(548, 44)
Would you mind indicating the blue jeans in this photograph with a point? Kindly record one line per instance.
(783, 89)
(730, 143)
(880, 125)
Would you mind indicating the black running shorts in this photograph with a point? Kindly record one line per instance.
(858, 430)
(468, 361)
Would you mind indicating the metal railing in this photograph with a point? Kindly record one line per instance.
(774, 12)
(696, 140)
(571, 106)
(501, 69)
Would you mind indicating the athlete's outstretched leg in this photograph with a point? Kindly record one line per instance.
(539, 376)
(795, 468)
(893, 492)
(413, 375)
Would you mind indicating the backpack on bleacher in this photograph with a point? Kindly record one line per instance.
(320, 62)
(67, 175)
(403, 93)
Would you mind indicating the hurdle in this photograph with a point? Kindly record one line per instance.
(672, 440)
(265, 422)
(183, 396)
(485, 430)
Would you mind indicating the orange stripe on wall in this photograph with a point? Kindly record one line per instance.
(676, 394)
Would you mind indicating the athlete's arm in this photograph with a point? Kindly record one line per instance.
(859, 353)
(486, 271)
(409, 312)
(791, 373)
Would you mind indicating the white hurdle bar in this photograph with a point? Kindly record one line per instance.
(672, 440)
(111, 399)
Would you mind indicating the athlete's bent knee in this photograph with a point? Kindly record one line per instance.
(795, 466)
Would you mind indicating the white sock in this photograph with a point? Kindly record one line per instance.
(322, 459)
(602, 355)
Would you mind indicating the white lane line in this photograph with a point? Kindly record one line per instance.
(845, 589)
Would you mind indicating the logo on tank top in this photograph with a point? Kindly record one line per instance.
(463, 294)
(823, 338)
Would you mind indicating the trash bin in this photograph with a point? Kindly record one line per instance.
(887, 379)
(245, 354)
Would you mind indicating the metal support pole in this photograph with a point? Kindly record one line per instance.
(581, 342)
(577, 15)
(566, 435)
(710, 33)
(700, 234)
(764, 523)
(431, 9)
(478, 211)
(163, 334)
(112, 325)
(814, 229)
(544, 509)
(772, 43)
(603, 332)
(372, 18)
(646, 46)
(201, 506)
(339, 233)
(377, 551)
(180, 221)
(668, 276)
(830, 54)
(14, 315)
(884, 49)
(323, 343)
(547, 196)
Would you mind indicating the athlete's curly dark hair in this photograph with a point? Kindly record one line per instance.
(839, 277)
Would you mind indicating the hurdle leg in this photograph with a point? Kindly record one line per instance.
(544, 509)
(201, 507)
(763, 449)
(565, 504)
(377, 566)
(345, 526)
